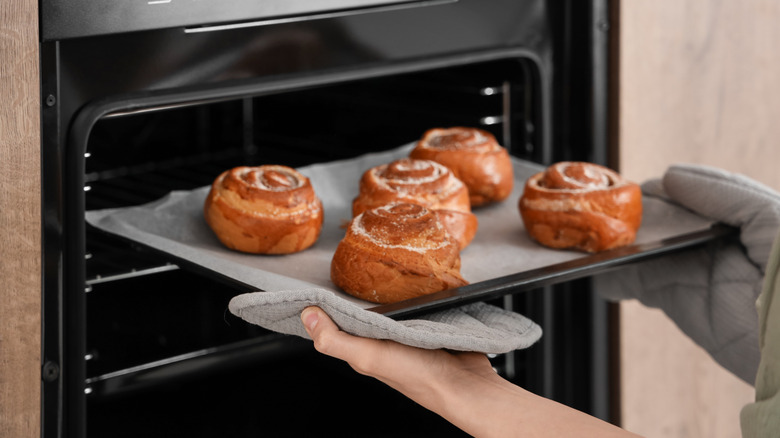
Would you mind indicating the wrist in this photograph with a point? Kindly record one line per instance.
(478, 401)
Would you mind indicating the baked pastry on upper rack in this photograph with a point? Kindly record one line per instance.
(581, 205)
(269, 209)
(474, 156)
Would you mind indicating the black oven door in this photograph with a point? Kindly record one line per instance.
(105, 359)
(80, 18)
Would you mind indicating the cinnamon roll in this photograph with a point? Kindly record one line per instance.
(268, 209)
(582, 206)
(474, 156)
(396, 252)
(422, 182)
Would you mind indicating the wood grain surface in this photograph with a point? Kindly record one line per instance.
(20, 227)
(699, 82)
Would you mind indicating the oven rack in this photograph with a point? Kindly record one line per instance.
(109, 260)
(175, 369)
(250, 352)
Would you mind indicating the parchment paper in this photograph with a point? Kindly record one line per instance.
(175, 225)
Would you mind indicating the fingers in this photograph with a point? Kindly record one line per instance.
(397, 365)
(415, 372)
(731, 198)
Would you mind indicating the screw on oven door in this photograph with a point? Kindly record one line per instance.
(51, 100)
(50, 372)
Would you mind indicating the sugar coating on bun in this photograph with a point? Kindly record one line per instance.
(268, 209)
(422, 182)
(396, 252)
(581, 206)
(474, 156)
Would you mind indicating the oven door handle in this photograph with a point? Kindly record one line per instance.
(308, 17)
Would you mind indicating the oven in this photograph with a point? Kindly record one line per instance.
(145, 97)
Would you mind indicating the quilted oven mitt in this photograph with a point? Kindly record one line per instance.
(711, 292)
(476, 327)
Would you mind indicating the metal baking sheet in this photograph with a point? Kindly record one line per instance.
(500, 257)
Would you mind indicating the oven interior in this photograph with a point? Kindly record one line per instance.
(164, 356)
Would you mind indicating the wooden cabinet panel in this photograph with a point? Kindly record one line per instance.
(20, 229)
(699, 82)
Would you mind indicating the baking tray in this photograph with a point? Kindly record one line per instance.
(501, 259)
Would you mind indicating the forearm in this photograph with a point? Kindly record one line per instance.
(489, 406)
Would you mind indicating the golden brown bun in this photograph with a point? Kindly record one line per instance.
(581, 205)
(396, 252)
(474, 156)
(462, 226)
(264, 210)
(422, 182)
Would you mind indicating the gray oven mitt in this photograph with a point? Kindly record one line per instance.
(710, 292)
(476, 327)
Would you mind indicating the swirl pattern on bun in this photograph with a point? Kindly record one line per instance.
(582, 206)
(268, 209)
(422, 182)
(474, 156)
(396, 252)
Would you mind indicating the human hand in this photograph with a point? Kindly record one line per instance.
(418, 373)
(710, 293)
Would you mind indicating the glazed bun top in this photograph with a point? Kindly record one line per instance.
(422, 182)
(460, 139)
(573, 175)
(279, 190)
(474, 156)
(402, 226)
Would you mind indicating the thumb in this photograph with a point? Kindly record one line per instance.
(328, 338)
(311, 318)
